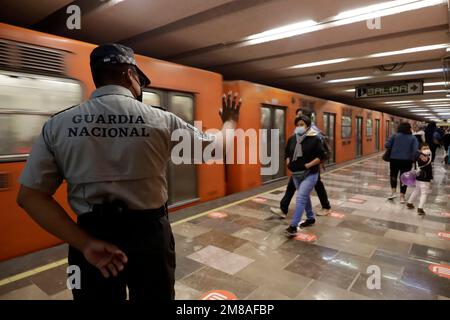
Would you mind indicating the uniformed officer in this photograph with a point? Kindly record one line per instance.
(113, 152)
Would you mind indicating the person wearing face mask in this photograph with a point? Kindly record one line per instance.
(304, 152)
(282, 211)
(423, 179)
(113, 151)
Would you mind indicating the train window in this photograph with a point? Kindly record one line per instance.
(26, 102)
(183, 106)
(369, 127)
(346, 127)
(151, 98)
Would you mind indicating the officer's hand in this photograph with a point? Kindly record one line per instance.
(105, 256)
(230, 107)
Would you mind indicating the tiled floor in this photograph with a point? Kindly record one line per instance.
(247, 254)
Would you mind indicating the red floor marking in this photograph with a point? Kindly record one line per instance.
(441, 270)
(445, 214)
(218, 295)
(217, 215)
(259, 200)
(444, 235)
(305, 236)
(338, 215)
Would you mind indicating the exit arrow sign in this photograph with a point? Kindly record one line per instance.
(389, 89)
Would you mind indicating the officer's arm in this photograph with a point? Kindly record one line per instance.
(46, 212)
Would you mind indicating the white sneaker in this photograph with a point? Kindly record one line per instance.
(402, 199)
(392, 196)
(323, 212)
(278, 212)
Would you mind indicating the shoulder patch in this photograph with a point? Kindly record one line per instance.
(64, 110)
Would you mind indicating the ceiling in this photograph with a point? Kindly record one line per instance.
(330, 42)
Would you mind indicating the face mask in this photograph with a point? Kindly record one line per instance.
(300, 130)
(426, 152)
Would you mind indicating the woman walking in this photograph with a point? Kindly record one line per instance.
(305, 152)
(404, 150)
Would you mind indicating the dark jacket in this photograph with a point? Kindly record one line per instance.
(312, 148)
(426, 172)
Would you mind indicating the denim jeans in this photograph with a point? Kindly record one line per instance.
(303, 200)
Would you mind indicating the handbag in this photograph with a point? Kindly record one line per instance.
(300, 175)
(387, 154)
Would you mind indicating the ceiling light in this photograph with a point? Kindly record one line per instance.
(394, 102)
(437, 99)
(434, 91)
(430, 84)
(287, 31)
(343, 18)
(350, 90)
(348, 79)
(410, 73)
(319, 63)
(438, 105)
(409, 50)
(444, 113)
(419, 110)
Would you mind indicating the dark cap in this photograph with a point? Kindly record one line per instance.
(114, 53)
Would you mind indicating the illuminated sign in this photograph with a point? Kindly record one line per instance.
(389, 89)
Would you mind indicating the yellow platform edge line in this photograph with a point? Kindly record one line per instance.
(58, 263)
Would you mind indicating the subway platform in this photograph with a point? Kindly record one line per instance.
(235, 248)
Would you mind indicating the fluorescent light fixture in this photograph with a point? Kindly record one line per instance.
(434, 91)
(290, 30)
(375, 55)
(319, 63)
(438, 105)
(437, 99)
(350, 90)
(343, 18)
(409, 50)
(395, 102)
(419, 110)
(410, 73)
(430, 84)
(349, 79)
(405, 107)
(444, 113)
(423, 114)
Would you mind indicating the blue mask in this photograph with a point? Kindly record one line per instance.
(300, 130)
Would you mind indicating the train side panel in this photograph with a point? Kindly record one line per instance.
(18, 233)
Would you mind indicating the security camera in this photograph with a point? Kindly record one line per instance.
(319, 76)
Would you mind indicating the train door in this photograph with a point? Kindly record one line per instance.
(377, 134)
(329, 126)
(182, 178)
(359, 132)
(274, 118)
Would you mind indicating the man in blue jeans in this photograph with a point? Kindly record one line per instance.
(305, 152)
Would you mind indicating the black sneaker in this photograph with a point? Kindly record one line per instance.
(291, 231)
(307, 223)
(420, 212)
(410, 206)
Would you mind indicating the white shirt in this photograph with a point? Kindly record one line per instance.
(109, 147)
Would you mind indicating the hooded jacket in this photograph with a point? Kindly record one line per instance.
(312, 148)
